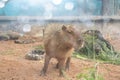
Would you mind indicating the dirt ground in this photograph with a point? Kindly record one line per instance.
(14, 66)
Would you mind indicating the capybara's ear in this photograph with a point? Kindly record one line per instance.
(64, 27)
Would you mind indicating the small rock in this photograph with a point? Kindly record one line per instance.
(35, 55)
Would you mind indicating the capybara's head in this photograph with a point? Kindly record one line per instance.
(74, 36)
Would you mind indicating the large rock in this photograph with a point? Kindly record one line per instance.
(13, 35)
(4, 37)
(25, 40)
(9, 36)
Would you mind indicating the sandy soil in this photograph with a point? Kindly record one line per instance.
(115, 43)
(13, 65)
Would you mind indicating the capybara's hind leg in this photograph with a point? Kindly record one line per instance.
(61, 67)
(46, 63)
(68, 63)
(57, 65)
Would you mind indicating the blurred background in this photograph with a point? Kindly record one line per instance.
(50, 8)
(22, 15)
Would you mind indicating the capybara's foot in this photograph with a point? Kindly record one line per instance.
(61, 75)
(42, 73)
(67, 68)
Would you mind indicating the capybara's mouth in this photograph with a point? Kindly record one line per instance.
(81, 45)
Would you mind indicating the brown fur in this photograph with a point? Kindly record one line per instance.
(60, 45)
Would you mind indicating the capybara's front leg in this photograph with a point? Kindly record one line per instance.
(61, 67)
(46, 63)
(68, 63)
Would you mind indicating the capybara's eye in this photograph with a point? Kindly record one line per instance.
(71, 32)
(80, 41)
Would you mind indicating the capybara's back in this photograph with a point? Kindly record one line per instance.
(60, 44)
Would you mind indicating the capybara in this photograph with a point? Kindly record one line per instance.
(60, 45)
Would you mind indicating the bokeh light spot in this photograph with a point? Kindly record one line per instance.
(27, 28)
(2, 4)
(69, 6)
(57, 2)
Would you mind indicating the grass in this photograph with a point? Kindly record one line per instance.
(41, 47)
(90, 74)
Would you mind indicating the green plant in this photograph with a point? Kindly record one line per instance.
(97, 49)
(90, 74)
(39, 47)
